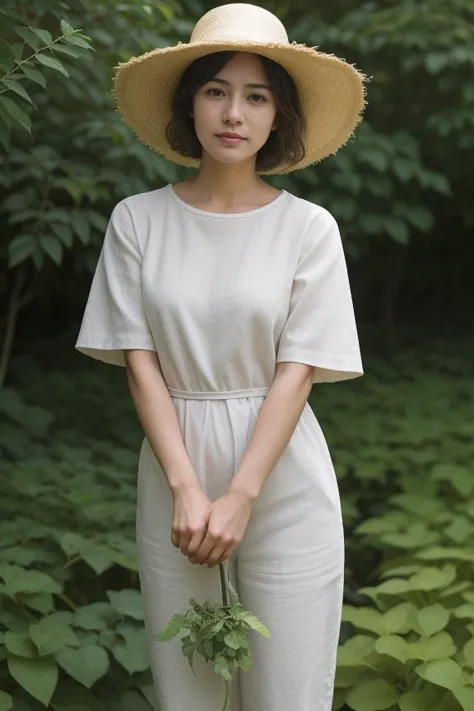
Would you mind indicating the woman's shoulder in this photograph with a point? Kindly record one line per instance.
(310, 212)
(148, 200)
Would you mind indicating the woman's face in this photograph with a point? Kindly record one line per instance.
(237, 100)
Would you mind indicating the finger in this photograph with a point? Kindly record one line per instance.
(175, 536)
(195, 543)
(184, 539)
(221, 554)
(205, 548)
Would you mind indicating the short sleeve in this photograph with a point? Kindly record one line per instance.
(321, 329)
(114, 317)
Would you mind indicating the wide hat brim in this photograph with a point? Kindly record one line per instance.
(331, 91)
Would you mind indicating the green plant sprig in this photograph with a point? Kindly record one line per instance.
(218, 632)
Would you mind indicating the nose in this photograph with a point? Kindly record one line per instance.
(233, 110)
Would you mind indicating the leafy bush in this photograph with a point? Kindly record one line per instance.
(70, 614)
(413, 647)
(71, 618)
(68, 602)
(418, 638)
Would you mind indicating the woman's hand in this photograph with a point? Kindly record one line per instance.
(227, 523)
(190, 517)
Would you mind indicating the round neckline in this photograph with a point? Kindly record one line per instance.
(225, 215)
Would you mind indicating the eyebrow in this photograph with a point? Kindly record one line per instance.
(218, 80)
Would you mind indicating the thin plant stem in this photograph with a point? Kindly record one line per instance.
(41, 50)
(228, 685)
(224, 572)
(224, 587)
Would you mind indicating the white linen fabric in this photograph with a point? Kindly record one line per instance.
(222, 298)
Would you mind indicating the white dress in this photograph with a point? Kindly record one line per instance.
(222, 298)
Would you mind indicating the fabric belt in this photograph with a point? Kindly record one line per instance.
(218, 395)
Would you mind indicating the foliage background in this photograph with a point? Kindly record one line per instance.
(402, 437)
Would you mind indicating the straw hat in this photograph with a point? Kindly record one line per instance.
(331, 90)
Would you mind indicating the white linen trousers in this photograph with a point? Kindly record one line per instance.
(288, 569)
(223, 298)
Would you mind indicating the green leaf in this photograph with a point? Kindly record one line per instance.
(44, 35)
(5, 134)
(66, 27)
(254, 623)
(436, 61)
(34, 75)
(465, 612)
(365, 618)
(29, 37)
(71, 542)
(232, 640)
(221, 667)
(375, 158)
(17, 114)
(372, 696)
(97, 220)
(459, 477)
(14, 85)
(78, 41)
(86, 664)
(417, 701)
(71, 696)
(6, 701)
(433, 578)
(172, 629)
(439, 646)
(399, 619)
(433, 619)
(454, 589)
(397, 229)
(395, 586)
(355, 650)
(440, 183)
(127, 602)
(420, 217)
(53, 248)
(444, 672)
(52, 63)
(445, 553)
(393, 646)
(81, 226)
(67, 50)
(465, 696)
(64, 233)
(469, 652)
(460, 529)
(20, 644)
(20, 580)
(132, 654)
(99, 560)
(97, 616)
(51, 634)
(38, 677)
(403, 168)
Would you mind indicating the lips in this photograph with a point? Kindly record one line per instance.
(230, 135)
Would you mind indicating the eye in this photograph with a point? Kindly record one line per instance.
(213, 91)
(258, 98)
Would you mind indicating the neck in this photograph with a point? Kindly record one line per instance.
(224, 182)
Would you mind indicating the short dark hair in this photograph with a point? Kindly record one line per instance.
(285, 145)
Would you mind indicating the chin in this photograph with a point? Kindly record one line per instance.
(229, 157)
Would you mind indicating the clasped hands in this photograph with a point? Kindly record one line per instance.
(208, 531)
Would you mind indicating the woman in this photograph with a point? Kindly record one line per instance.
(226, 299)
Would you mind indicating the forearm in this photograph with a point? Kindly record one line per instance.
(158, 418)
(274, 428)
